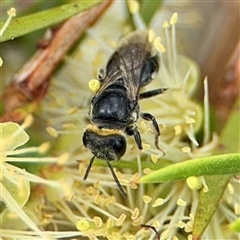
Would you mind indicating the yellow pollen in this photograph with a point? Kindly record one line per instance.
(165, 234)
(135, 177)
(165, 24)
(135, 214)
(190, 120)
(154, 158)
(151, 35)
(104, 131)
(98, 199)
(190, 237)
(191, 215)
(98, 221)
(121, 219)
(188, 227)
(174, 19)
(181, 224)
(72, 110)
(113, 44)
(12, 12)
(175, 238)
(63, 158)
(137, 221)
(82, 225)
(147, 199)
(44, 147)
(68, 125)
(236, 208)
(90, 189)
(157, 44)
(205, 189)
(230, 188)
(147, 170)
(156, 223)
(96, 184)
(94, 85)
(158, 202)
(194, 183)
(109, 223)
(186, 149)
(111, 200)
(81, 169)
(101, 232)
(52, 132)
(133, 6)
(181, 202)
(146, 146)
(178, 130)
(28, 121)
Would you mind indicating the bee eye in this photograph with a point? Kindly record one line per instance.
(119, 146)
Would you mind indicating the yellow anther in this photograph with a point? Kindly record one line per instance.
(165, 24)
(82, 225)
(174, 19)
(52, 132)
(194, 183)
(157, 44)
(151, 35)
(12, 12)
(178, 130)
(133, 7)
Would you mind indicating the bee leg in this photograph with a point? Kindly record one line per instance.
(133, 130)
(149, 117)
(152, 93)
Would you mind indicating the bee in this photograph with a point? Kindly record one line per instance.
(114, 109)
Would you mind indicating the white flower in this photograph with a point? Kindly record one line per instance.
(95, 208)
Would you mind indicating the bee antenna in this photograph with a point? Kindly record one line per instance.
(116, 180)
(88, 168)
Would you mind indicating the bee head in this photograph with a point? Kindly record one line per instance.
(105, 145)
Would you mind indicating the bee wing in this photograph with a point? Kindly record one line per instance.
(128, 63)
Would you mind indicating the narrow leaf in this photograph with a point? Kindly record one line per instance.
(32, 22)
(213, 165)
(229, 138)
(235, 226)
(148, 8)
(208, 203)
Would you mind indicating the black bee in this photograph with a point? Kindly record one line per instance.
(114, 109)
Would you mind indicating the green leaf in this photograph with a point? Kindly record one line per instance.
(148, 8)
(12, 135)
(208, 203)
(229, 138)
(213, 165)
(33, 22)
(235, 226)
